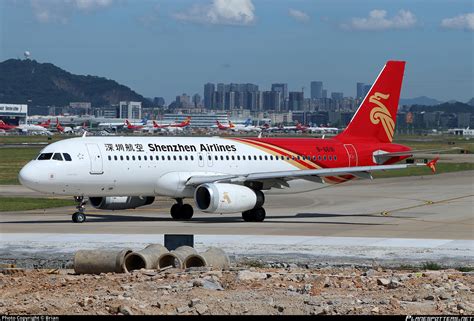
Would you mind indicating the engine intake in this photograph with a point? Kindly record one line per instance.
(120, 202)
(226, 198)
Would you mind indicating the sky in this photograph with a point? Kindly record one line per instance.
(166, 48)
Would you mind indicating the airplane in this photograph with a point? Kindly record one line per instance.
(184, 123)
(133, 127)
(45, 124)
(23, 128)
(5, 126)
(61, 129)
(223, 127)
(223, 175)
(246, 127)
(311, 129)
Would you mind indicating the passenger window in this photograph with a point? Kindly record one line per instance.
(67, 157)
(174, 157)
(115, 157)
(110, 157)
(185, 157)
(266, 158)
(298, 157)
(192, 158)
(45, 156)
(162, 157)
(233, 158)
(319, 157)
(238, 157)
(314, 157)
(209, 157)
(335, 157)
(157, 157)
(243, 157)
(254, 157)
(330, 157)
(144, 157)
(216, 158)
(324, 157)
(271, 157)
(133, 157)
(222, 158)
(169, 157)
(128, 158)
(260, 157)
(287, 157)
(121, 158)
(200, 157)
(180, 157)
(57, 156)
(227, 157)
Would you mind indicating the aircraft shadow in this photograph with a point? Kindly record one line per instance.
(285, 219)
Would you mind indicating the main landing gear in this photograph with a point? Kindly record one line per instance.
(256, 214)
(180, 211)
(79, 216)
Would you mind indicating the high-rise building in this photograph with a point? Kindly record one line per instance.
(360, 90)
(130, 109)
(208, 93)
(271, 100)
(196, 100)
(282, 88)
(366, 89)
(337, 96)
(316, 89)
(325, 94)
(296, 100)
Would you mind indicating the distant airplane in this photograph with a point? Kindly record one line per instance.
(22, 127)
(133, 127)
(61, 129)
(246, 127)
(182, 124)
(5, 126)
(45, 124)
(223, 127)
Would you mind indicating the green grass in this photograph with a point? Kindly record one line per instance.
(431, 266)
(465, 269)
(424, 170)
(31, 139)
(12, 160)
(28, 203)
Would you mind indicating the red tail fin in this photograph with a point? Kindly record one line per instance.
(376, 116)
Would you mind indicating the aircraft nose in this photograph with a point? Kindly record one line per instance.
(28, 176)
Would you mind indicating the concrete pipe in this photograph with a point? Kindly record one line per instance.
(145, 259)
(100, 261)
(214, 257)
(176, 258)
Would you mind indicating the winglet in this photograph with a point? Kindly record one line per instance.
(432, 164)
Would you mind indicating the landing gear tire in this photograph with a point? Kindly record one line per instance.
(78, 217)
(182, 211)
(254, 215)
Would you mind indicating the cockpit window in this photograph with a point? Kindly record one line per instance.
(67, 157)
(45, 156)
(57, 156)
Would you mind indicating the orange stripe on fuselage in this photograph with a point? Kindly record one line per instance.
(279, 151)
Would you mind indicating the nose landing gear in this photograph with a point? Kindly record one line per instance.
(79, 216)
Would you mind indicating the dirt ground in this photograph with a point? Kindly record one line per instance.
(240, 290)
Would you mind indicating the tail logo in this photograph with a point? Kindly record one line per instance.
(381, 113)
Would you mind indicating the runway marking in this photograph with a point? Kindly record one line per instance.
(388, 212)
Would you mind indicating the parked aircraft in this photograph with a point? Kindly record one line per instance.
(222, 175)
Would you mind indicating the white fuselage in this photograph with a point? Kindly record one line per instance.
(146, 166)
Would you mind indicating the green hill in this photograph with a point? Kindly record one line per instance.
(44, 84)
(454, 107)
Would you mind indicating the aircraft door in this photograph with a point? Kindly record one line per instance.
(352, 155)
(95, 157)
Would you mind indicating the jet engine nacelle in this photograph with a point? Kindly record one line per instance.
(226, 198)
(120, 202)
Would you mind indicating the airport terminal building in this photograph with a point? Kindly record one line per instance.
(13, 114)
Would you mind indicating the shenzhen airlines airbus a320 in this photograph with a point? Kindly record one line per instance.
(222, 175)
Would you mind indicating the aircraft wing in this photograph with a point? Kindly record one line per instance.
(309, 174)
(382, 157)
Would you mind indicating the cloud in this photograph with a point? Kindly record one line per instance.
(463, 21)
(61, 10)
(220, 12)
(298, 15)
(378, 20)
